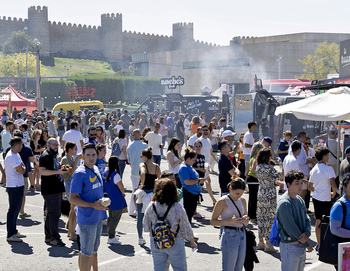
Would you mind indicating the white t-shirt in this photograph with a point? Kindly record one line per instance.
(122, 143)
(187, 127)
(249, 139)
(74, 136)
(154, 140)
(302, 157)
(320, 176)
(290, 163)
(332, 145)
(13, 177)
(116, 178)
(192, 139)
(118, 127)
(206, 147)
(19, 122)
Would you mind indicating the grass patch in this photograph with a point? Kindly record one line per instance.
(77, 67)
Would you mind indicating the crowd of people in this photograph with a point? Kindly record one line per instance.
(67, 159)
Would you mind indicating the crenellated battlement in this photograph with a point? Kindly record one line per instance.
(38, 8)
(183, 25)
(146, 35)
(73, 26)
(14, 20)
(112, 16)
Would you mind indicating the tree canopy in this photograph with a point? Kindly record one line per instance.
(8, 65)
(17, 43)
(324, 61)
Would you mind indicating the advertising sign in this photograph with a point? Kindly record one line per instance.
(344, 67)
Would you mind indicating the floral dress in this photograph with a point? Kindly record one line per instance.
(267, 198)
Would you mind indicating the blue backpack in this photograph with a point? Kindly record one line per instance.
(274, 236)
(116, 148)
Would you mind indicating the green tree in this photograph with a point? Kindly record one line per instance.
(9, 66)
(17, 43)
(324, 61)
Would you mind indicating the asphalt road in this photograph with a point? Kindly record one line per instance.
(34, 254)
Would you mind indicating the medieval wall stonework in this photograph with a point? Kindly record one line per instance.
(106, 42)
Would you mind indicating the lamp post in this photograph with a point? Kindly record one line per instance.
(26, 80)
(17, 74)
(279, 59)
(67, 68)
(37, 50)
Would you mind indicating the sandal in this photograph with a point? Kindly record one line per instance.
(261, 246)
(270, 248)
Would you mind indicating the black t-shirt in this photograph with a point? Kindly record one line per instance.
(225, 165)
(54, 183)
(180, 124)
(200, 163)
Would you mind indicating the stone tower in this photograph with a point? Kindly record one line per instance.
(38, 27)
(182, 35)
(112, 39)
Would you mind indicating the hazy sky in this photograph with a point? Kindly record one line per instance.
(215, 21)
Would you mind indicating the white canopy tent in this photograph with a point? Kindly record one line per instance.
(334, 105)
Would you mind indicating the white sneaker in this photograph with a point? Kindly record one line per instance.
(142, 241)
(104, 222)
(113, 241)
(135, 213)
(14, 238)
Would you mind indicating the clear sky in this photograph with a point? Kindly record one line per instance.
(215, 21)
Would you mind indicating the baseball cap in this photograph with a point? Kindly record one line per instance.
(228, 133)
(268, 140)
(347, 150)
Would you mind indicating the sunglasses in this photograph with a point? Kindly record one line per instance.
(205, 130)
(93, 134)
(198, 146)
(307, 143)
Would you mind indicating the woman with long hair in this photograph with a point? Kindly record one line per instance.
(149, 172)
(122, 145)
(251, 178)
(165, 199)
(232, 209)
(37, 151)
(71, 165)
(163, 132)
(173, 159)
(43, 138)
(100, 134)
(268, 177)
(101, 157)
(190, 182)
(113, 186)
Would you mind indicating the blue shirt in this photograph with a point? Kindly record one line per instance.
(101, 165)
(88, 140)
(60, 121)
(117, 198)
(187, 172)
(90, 188)
(283, 146)
(337, 211)
(134, 156)
(169, 122)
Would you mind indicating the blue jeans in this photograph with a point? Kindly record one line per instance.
(122, 164)
(15, 201)
(90, 238)
(67, 184)
(176, 254)
(157, 159)
(163, 142)
(233, 247)
(140, 215)
(293, 257)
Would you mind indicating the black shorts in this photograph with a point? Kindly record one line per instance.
(322, 208)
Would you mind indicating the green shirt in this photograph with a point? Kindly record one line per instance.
(292, 219)
(250, 173)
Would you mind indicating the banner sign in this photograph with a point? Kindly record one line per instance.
(81, 93)
(172, 82)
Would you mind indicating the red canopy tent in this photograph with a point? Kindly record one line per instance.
(17, 100)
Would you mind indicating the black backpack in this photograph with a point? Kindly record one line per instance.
(163, 235)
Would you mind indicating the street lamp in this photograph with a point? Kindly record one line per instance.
(26, 80)
(279, 59)
(17, 74)
(67, 68)
(37, 50)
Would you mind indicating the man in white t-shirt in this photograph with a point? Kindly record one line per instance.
(322, 179)
(195, 137)
(19, 120)
(73, 135)
(207, 150)
(155, 141)
(14, 169)
(248, 141)
(290, 162)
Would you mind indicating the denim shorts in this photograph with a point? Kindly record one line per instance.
(90, 238)
(67, 184)
(247, 157)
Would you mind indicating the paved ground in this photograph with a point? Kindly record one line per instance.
(34, 254)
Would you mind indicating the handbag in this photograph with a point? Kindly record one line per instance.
(329, 242)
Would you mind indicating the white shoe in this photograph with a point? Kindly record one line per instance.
(113, 241)
(14, 238)
(135, 213)
(104, 222)
(142, 241)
